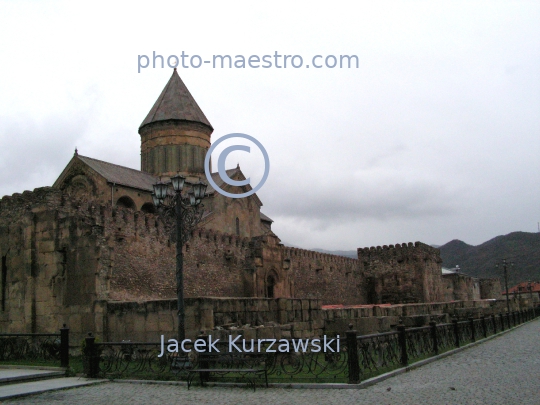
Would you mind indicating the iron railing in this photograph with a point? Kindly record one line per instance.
(140, 360)
(31, 347)
(359, 357)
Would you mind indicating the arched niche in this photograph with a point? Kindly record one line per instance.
(125, 202)
(148, 208)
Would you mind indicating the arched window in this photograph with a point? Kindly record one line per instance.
(270, 284)
(148, 208)
(237, 227)
(125, 202)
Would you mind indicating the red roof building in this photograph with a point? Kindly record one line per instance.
(525, 287)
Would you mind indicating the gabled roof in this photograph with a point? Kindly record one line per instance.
(121, 175)
(175, 103)
(265, 218)
(221, 184)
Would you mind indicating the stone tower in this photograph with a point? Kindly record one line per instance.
(175, 134)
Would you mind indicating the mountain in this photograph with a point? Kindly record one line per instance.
(522, 248)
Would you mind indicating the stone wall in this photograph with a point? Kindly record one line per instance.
(460, 287)
(52, 263)
(490, 288)
(267, 318)
(66, 259)
(401, 273)
(329, 278)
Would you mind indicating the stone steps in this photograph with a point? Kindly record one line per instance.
(20, 382)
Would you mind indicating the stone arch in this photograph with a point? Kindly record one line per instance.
(270, 282)
(148, 208)
(125, 202)
(78, 185)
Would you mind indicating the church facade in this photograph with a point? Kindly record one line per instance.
(95, 238)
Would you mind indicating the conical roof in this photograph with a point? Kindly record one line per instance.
(175, 103)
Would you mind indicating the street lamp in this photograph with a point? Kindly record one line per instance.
(504, 265)
(186, 208)
(529, 287)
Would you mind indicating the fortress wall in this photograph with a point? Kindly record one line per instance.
(50, 255)
(490, 288)
(62, 256)
(402, 273)
(330, 278)
(144, 259)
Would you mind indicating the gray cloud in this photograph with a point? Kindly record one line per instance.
(436, 136)
(38, 150)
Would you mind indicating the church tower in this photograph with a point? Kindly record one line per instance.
(175, 134)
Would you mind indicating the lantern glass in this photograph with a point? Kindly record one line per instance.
(178, 182)
(155, 200)
(192, 199)
(199, 189)
(160, 189)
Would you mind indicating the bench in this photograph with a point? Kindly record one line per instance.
(247, 366)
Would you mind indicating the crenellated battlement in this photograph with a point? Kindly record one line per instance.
(27, 199)
(291, 252)
(416, 250)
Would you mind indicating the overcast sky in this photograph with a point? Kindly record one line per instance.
(435, 136)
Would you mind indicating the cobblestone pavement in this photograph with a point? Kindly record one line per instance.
(504, 370)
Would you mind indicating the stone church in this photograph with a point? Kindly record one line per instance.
(94, 238)
(175, 136)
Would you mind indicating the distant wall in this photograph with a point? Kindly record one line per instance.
(329, 278)
(146, 321)
(490, 288)
(402, 273)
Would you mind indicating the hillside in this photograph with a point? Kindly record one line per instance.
(522, 248)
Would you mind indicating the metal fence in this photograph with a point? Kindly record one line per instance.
(35, 347)
(360, 357)
(380, 353)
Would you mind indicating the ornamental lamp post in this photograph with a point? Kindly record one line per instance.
(504, 265)
(187, 210)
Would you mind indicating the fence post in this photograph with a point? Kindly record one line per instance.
(402, 338)
(433, 326)
(502, 322)
(90, 354)
(203, 360)
(352, 356)
(473, 335)
(484, 326)
(514, 318)
(64, 346)
(456, 331)
(494, 321)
